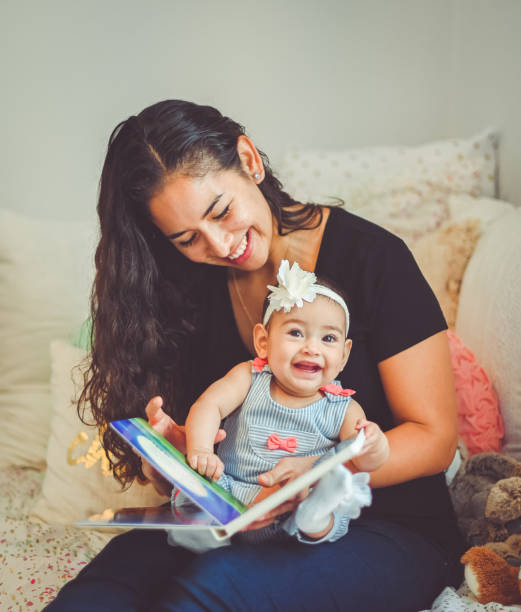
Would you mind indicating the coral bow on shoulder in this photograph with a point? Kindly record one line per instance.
(259, 363)
(337, 390)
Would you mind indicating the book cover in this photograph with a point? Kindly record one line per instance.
(171, 463)
(216, 515)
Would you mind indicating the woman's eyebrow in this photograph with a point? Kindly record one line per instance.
(205, 214)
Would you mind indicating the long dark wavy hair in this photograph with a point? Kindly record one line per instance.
(146, 295)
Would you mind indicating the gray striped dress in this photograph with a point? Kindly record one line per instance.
(245, 452)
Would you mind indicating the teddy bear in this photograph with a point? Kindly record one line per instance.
(490, 577)
(509, 550)
(486, 494)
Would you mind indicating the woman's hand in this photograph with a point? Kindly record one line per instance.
(285, 471)
(174, 433)
(165, 425)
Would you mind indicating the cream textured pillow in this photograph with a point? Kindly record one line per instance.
(45, 277)
(489, 317)
(443, 256)
(77, 483)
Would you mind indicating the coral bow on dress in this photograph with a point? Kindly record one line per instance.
(274, 442)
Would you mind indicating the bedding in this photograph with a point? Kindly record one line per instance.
(438, 198)
(36, 559)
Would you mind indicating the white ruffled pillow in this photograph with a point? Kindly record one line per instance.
(45, 277)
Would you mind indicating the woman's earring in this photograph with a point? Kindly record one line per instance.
(256, 176)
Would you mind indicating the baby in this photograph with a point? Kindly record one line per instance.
(286, 402)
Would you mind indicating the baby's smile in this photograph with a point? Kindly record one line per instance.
(307, 366)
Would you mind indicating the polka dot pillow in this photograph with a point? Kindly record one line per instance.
(405, 189)
(456, 166)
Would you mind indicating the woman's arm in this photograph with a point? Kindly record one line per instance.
(419, 386)
(217, 402)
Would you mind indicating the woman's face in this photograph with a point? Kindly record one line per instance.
(221, 218)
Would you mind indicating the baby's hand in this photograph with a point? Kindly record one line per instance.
(206, 463)
(375, 440)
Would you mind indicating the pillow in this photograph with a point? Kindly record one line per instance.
(489, 317)
(404, 175)
(479, 421)
(443, 256)
(77, 481)
(487, 210)
(411, 222)
(45, 278)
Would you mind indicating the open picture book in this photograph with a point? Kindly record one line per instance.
(214, 513)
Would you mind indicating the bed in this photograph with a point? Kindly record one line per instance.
(439, 197)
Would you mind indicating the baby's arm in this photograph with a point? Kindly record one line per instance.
(217, 402)
(375, 451)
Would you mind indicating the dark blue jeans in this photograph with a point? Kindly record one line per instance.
(376, 566)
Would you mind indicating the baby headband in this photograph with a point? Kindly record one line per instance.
(296, 285)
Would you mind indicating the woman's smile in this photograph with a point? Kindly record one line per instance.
(243, 251)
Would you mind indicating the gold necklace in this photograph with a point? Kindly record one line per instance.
(290, 247)
(241, 301)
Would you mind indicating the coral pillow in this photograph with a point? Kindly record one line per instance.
(479, 421)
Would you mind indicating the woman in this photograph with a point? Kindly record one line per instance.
(193, 227)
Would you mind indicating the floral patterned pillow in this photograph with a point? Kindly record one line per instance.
(456, 166)
(405, 189)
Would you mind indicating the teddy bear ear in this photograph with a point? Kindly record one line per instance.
(509, 549)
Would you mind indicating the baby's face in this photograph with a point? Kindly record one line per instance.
(307, 347)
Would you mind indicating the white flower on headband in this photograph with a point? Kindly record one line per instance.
(295, 285)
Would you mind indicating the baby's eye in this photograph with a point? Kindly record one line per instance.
(296, 333)
(189, 242)
(329, 338)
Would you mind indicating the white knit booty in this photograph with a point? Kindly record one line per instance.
(332, 490)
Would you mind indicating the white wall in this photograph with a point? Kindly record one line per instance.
(485, 80)
(330, 73)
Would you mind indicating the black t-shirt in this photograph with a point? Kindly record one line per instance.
(392, 308)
